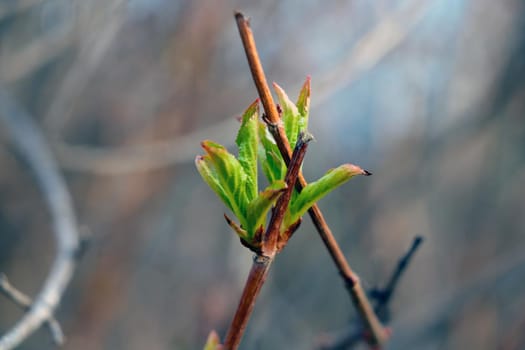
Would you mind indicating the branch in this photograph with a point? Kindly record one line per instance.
(24, 302)
(28, 141)
(438, 311)
(354, 333)
(351, 279)
(262, 262)
(384, 296)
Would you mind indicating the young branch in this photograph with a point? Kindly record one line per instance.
(252, 287)
(28, 141)
(273, 231)
(351, 279)
(261, 262)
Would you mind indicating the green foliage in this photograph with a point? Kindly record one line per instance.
(318, 189)
(247, 143)
(234, 180)
(213, 342)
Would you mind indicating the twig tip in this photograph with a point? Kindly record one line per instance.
(239, 16)
(305, 137)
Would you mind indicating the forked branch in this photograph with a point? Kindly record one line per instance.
(262, 262)
(351, 279)
(24, 302)
(27, 140)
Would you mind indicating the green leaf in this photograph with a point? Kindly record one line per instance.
(205, 168)
(247, 141)
(272, 162)
(318, 189)
(260, 206)
(290, 115)
(213, 342)
(303, 105)
(230, 176)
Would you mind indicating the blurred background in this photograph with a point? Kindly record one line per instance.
(426, 94)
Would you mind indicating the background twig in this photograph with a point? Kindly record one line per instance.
(382, 298)
(24, 302)
(30, 144)
(389, 33)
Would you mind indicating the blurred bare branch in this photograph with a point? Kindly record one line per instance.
(418, 326)
(94, 43)
(24, 302)
(15, 66)
(10, 8)
(387, 34)
(110, 161)
(382, 297)
(28, 141)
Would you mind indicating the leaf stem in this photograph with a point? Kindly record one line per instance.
(351, 279)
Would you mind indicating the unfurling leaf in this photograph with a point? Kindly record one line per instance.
(234, 180)
(272, 163)
(247, 141)
(205, 168)
(290, 115)
(303, 105)
(259, 207)
(213, 342)
(318, 189)
(230, 176)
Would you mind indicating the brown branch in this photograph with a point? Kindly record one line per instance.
(351, 279)
(272, 234)
(262, 86)
(261, 262)
(382, 297)
(252, 287)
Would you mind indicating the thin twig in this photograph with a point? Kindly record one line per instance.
(272, 233)
(436, 312)
(24, 302)
(28, 141)
(354, 333)
(262, 262)
(384, 296)
(103, 27)
(351, 279)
